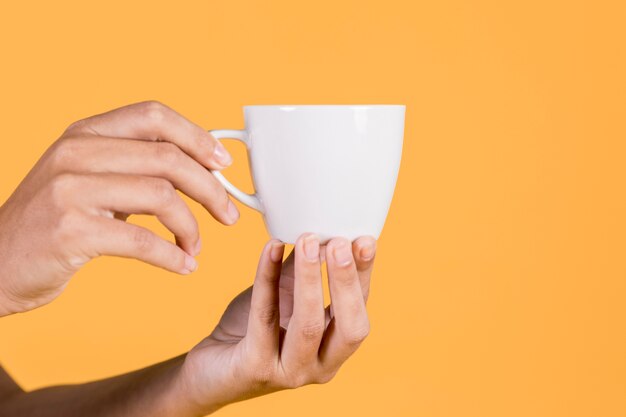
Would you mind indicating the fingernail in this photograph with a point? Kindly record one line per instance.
(367, 252)
(198, 247)
(312, 248)
(276, 252)
(233, 213)
(222, 156)
(342, 254)
(190, 264)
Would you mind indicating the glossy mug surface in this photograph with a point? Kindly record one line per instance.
(326, 169)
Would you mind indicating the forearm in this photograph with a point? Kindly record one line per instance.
(156, 391)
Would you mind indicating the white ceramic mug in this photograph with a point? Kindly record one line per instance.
(326, 169)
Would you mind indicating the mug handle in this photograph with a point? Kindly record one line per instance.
(250, 200)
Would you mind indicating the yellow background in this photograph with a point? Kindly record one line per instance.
(500, 287)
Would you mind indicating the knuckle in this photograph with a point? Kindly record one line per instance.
(191, 227)
(168, 153)
(325, 377)
(225, 199)
(61, 187)
(69, 226)
(217, 196)
(75, 126)
(312, 331)
(164, 191)
(298, 380)
(217, 191)
(153, 110)
(356, 336)
(142, 239)
(64, 152)
(151, 105)
(225, 203)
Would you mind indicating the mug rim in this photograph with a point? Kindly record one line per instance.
(300, 106)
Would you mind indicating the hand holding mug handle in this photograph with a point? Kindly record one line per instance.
(250, 200)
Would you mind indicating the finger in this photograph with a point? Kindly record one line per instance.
(154, 121)
(262, 336)
(364, 251)
(165, 160)
(286, 289)
(132, 194)
(350, 324)
(307, 325)
(115, 238)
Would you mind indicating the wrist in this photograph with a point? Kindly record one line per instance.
(165, 392)
(200, 393)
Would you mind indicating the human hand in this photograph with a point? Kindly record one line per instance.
(277, 334)
(72, 205)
